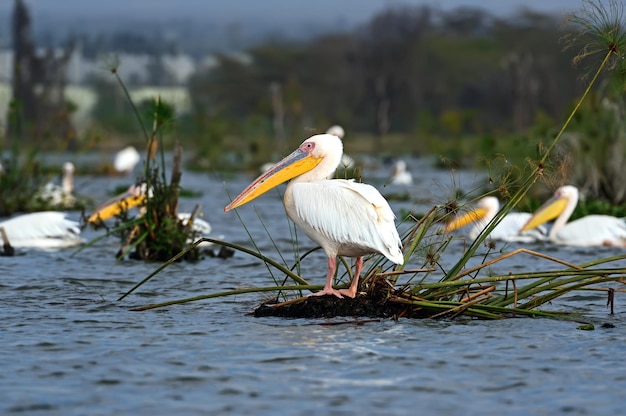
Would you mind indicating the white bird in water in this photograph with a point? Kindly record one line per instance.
(591, 230)
(126, 160)
(401, 175)
(346, 161)
(344, 217)
(56, 196)
(45, 229)
(136, 196)
(507, 230)
(336, 130)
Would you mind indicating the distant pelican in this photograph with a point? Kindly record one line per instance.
(346, 161)
(344, 217)
(336, 130)
(55, 196)
(401, 175)
(507, 230)
(592, 230)
(126, 160)
(45, 229)
(136, 196)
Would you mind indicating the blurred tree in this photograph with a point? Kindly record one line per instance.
(405, 67)
(597, 142)
(384, 60)
(39, 108)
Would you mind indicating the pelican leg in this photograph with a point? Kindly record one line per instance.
(328, 286)
(354, 285)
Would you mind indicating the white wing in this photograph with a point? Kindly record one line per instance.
(47, 229)
(347, 214)
(508, 229)
(594, 230)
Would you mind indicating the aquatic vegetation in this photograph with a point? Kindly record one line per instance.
(418, 292)
(158, 233)
(422, 286)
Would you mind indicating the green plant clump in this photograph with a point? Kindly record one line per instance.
(157, 234)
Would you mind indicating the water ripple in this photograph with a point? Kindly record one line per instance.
(70, 348)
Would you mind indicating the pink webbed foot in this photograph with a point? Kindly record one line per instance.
(328, 291)
(350, 292)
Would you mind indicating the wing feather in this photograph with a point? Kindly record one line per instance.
(349, 213)
(40, 225)
(594, 230)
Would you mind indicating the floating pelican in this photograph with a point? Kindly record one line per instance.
(336, 130)
(126, 160)
(401, 175)
(199, 225)
(135, 196)
(56, 196)
(344, 217)
(346, 161)
(592, 230)
(46, 229)
(507, 230)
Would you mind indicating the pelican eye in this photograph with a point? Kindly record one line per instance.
(307, 147)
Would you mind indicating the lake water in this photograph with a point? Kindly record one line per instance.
(69, 348)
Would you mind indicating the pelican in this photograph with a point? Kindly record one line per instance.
(401, 175)
(135, 196)
(344, 217)
(507, 230)
(346, 161)
(126, 160)
(45, 229)
(592, 230)
(336, 130)
(57, 196)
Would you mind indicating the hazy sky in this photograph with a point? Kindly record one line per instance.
(353, 11)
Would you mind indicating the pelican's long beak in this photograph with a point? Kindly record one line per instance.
(116, 205)
(293, 165)
(546, 212)
(469, 217)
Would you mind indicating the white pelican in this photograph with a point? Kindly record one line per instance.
(135, 196)
(401, 175)
(336, 130)
(57, 196)
(592, 230)
(45, 229)
(126, 160)
(344, 217)
(346, 161)
(507, 230)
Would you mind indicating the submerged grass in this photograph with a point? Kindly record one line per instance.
(431, 291)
